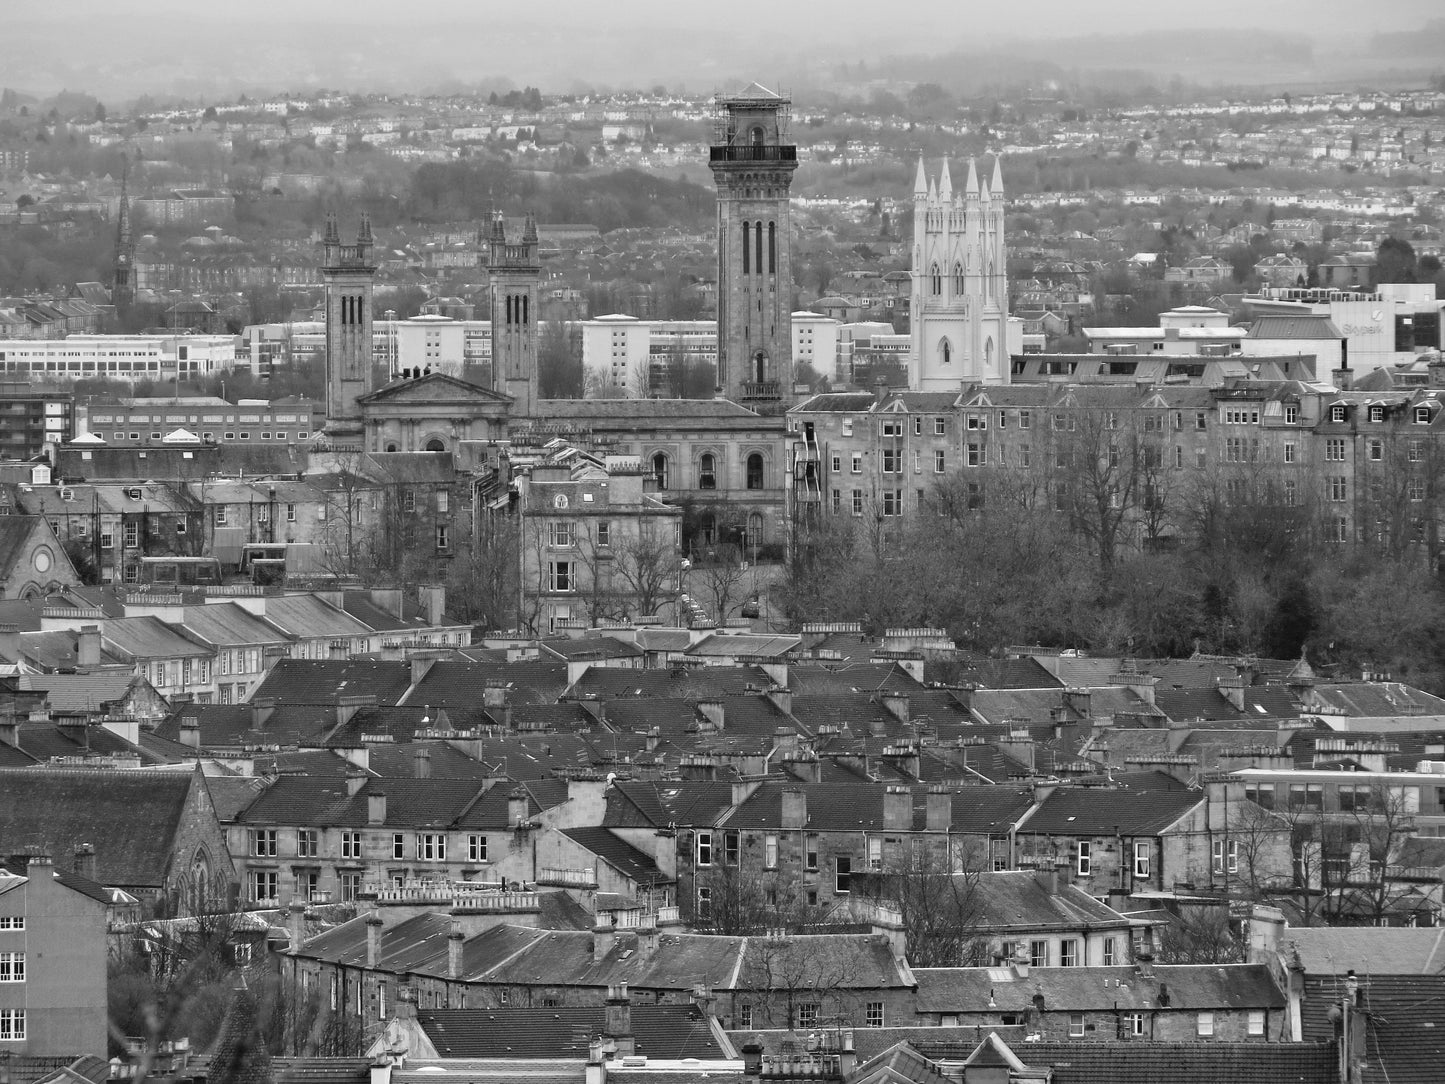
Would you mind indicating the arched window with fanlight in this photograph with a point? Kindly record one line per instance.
(755, 471)
(935, 280)
(707, 471)
(659, 470)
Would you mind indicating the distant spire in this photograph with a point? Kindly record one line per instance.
(332, 236)
(363, 235)
(971, 188)
(529, 230)
(996, 185)
(920, 179)
(945, 183)
(122, 230)
(499, 227)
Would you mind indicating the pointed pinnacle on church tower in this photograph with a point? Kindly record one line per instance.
(920, 180)
(529, 230)
(996, 185)
(363, 235)
(945, 183)
(122, 215)
(499, 227)
(970, 189)
(332, 236)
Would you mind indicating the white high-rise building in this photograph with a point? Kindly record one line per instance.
(959, 298)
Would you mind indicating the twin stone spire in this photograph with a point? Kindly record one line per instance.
(923, 188)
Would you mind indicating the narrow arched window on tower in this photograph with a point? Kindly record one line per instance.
(526, 309)
(758, 252)
(988, 354)
(958, 279)
(772, 248)
(936, 281)
(747, 250)
(945, 350)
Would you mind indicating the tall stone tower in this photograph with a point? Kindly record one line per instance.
(752, 165)
(122, 289)
(514, 271)
(959, 294)
(349, 272)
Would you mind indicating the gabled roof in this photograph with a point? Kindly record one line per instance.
(1369, 950)
(1404, 1023)
(431, 388)
(618, 853)
(660, 1031)
(318, 681)
(1136, 804)
(130, 817)
(1081, 989)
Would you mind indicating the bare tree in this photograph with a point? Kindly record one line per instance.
(720, 580)
(934, 890)
(647, 567)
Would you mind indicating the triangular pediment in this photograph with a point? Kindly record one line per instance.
(434, 388)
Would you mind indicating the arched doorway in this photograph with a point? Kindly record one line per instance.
(435, 445)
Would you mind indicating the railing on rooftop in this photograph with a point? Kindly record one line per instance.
(750, 153)
(570, 878)
(805, 1066)
(761, 389)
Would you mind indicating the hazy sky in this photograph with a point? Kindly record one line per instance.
(855, 20)
(122, 48)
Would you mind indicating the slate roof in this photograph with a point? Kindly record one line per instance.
(150, 638)
(73, 693)
(1370, 950)
(317, 681)
(660, 1031)
(858, 807)
(226, 624)
(987, 673)
(130, 817)
(46, 740)
(59, 650)
(1132, 1062)
(1137, 804)
(1377, 699)
(635, 865)
(833, 679)
(452, 682)
(324, 802)
(1188, 987)
(1404, 1023)
(310, 617)
(677, 683)
(1022, 898)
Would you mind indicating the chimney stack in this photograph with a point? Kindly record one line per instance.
(422, 759)
(897, 809)
(373, 941)
(619, 1019)
(939, 814)
(87, 647)
(9, 643)
(85, 861)
(455, 940)
(795, 808)
(296, 925)
(262, 708)
(376, 808)
(518, 807)
(190, 732)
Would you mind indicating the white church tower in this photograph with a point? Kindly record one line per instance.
(959, 300)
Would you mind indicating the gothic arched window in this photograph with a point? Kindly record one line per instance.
(747, 252)
(755, 471)
(958, 279)
(759, 251)
(988, 354)
(945, 351)
(935, 279)
(772, 248)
